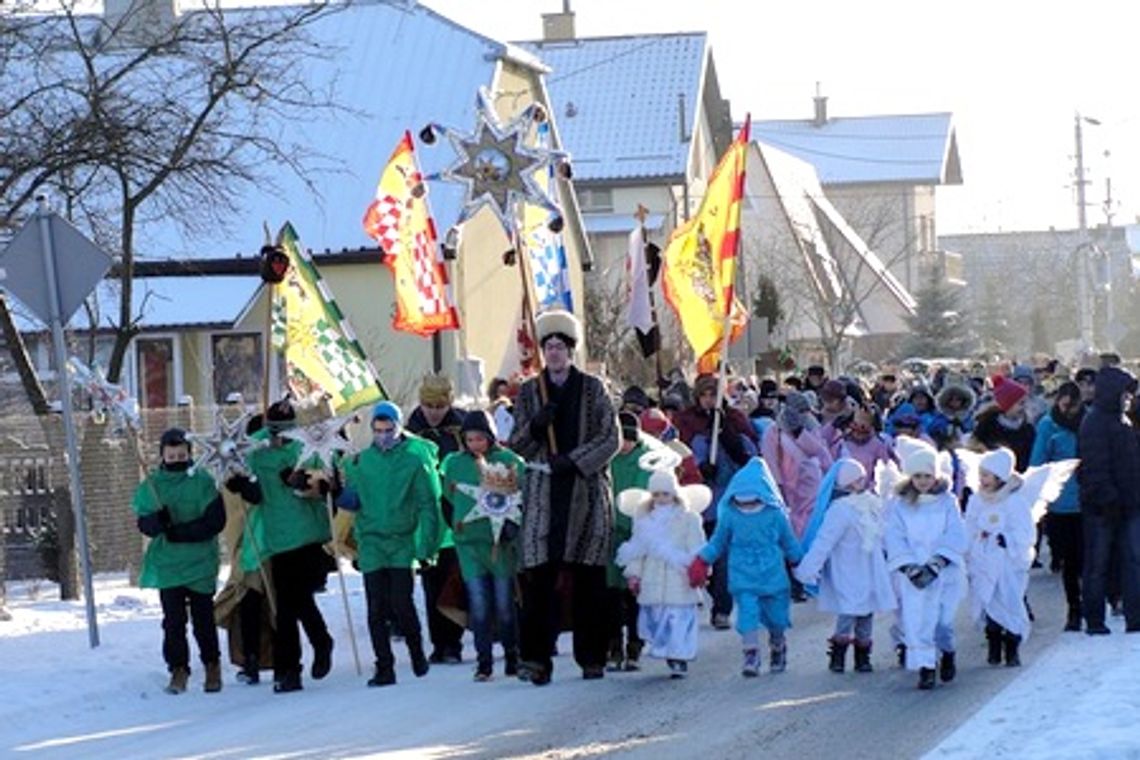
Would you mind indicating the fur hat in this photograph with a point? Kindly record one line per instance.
(436, 390)
(849, 472)
(956, 389)
(1007, 393)
(921, 460)
(558, 322)
(999, 463)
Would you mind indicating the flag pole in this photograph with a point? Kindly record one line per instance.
(523, 260)
(340, 577)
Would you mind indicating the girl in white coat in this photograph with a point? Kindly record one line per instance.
(844, 554)
(926, 541)
(1000, 522)
(667, 533)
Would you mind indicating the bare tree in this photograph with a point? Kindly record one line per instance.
(132, 122)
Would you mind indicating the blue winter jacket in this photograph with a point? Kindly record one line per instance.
(760, 542)
(1053, 443)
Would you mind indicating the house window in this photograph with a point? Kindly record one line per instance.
(238, 366)
(596, 199)
(156, 372)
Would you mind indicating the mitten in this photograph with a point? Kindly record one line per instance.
(562, 465)
(237, 483)
(698, 572)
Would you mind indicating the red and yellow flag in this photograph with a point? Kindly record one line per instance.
(700, 261)
(400, 222)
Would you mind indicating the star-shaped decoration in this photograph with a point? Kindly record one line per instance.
(497, 498)
(498, 168)
(321, 439)
(224, 451)
(107, 398)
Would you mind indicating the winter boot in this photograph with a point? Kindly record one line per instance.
(900, 654)
(420, 665)
(863, 658)
(720, 621)
(250, 673)
(614, 661)
(483, 673)
(947, 669)
(926, 679)
(384, 675)
(511, 665)
(751, 667)
(322, 660)
(1073, 622)
(179, 676)
(1012, 656)
(677, 668)
(287, 682)
(213, 677)
(779, 655)
(633, 656)
(837, 656)
(993, 642)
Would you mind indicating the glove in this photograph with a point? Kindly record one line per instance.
(509, 532)
(562, 465)
(286, 475)
(708, 472)
(1001, 540)
(164, 518)
(237, 483)
(634, 585)
(698, 572)
(542, 420)
(298, 480)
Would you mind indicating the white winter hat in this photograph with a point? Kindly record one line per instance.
(635, 502)
(849, 472)
(999, 463)
(922, 460)
(663, 481)
(558, 322)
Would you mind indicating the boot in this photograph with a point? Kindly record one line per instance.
(863, 658)
(993, 642)
(900, 654)
(677, 668)
(751, 667)
(511, 664)
(1012, 643)
(420, 665)
(250, 673)
(837, 654)
(322, 660)
(213, 677)
(779, 655)
(288, 682)
(633, 655)
(926, 679)
(614, 661)
(1073, 622)
(947, 669)
(384, 675)
(179, 676)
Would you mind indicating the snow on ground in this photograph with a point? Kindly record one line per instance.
(1080, 699)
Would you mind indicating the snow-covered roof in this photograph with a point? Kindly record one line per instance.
(910, 148)
(619, 101)
(163, 303)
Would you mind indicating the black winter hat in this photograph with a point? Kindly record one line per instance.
(769, 389)
(630, 426)
(280, 411)
(635, 394)
(173, 437)
(478, 421)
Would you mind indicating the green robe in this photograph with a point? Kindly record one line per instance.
(168, 564)
(626, 473)
(475, 541)
(400, 520)
(283, 521)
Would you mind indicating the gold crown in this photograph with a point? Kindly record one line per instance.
(499, 478)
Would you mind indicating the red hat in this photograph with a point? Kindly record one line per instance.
(1007, 393)
(654, 422)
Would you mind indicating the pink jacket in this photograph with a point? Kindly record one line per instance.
(798, 464)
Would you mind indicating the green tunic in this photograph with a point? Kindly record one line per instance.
(168, 564)
(475, 541)
(626, 473)
(399, 519)
(283, 521)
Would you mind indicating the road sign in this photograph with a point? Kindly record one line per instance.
(79, 264)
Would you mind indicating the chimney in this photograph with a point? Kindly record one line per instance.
(138, 22)
(820, 107)
(558, 27)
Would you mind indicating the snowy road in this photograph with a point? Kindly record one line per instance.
(57, 699)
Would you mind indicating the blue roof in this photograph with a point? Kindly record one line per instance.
(616, 102)
(164, 303)
(914, 148)
(394, 66)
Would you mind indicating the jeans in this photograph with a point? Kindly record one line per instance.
(544, 588)
(1103, 535)
(491, 606)
(297, 574)
(175, 648)
(855, 628)
(718, 583)
(388, 592)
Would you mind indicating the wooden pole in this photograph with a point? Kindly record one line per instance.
(523, 261)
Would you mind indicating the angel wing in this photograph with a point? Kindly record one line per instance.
(887, 476)
(1042, 485)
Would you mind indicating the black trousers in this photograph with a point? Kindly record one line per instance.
(1066, 541)
(543, 589)
(388, 592)
(446, 637)
(623, 609)
(175, 648)
(297, 574)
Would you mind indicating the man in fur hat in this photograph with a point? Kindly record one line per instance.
(565, 420)
(438, 420)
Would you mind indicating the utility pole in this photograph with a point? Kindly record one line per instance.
(1084, 288)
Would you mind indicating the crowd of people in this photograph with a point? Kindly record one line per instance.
(563, 505)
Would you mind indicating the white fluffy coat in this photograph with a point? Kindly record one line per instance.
(664, 542)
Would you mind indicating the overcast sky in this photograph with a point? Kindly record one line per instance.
(1013, 73)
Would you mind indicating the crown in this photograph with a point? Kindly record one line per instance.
(499, 478)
